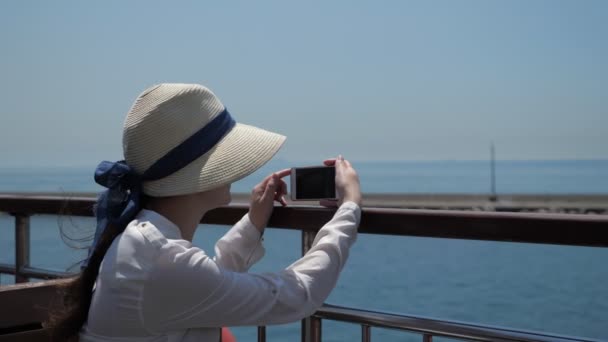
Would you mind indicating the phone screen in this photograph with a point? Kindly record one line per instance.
(315, 182)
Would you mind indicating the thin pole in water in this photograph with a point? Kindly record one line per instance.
(493, 173)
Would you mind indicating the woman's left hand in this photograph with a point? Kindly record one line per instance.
(263, 195)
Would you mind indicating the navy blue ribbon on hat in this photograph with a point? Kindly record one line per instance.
(122, 201)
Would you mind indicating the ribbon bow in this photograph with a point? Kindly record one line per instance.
(121, 202)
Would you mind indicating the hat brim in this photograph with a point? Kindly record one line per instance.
(240, 152)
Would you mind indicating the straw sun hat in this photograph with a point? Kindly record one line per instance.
(165, 115)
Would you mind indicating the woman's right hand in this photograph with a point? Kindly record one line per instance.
(347, 183)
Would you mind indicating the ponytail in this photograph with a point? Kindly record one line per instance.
(65, 322)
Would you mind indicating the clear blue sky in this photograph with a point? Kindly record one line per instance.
(375, 80)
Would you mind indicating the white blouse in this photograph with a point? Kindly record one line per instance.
(155, 286)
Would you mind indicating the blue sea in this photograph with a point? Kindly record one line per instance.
(548, 288)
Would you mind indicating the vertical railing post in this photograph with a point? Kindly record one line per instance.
(366, 333)
(307, 239)
(427, 338)
(315, 329)
(22, 246)
(261, 334)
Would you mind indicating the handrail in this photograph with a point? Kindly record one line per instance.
(565, 229)
(18, 313)
(436, 327)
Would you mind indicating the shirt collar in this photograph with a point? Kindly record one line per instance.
(163, 224)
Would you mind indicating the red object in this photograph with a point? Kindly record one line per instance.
(227, 336)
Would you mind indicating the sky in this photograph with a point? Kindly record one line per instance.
(372, 80)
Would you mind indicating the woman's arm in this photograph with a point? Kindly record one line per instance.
(240, 247)
(187, 289)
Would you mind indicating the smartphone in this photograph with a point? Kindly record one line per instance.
(313, 183)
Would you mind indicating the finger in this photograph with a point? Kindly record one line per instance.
(264, 182)
(270, 189)
(280, 191)
(329, 203)
(283, 188)
(329, 162)
(339, 162)
(259, 189)
(278, 196)
(281, 200)
(283, 173)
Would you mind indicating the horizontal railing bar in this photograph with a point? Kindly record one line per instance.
(436, 327)
(26, 303)
(52, 205)
(7, 269)
(34, 272)
(564, 229)
(40, 273)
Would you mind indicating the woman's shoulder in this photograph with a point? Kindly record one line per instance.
(151, 236)
(155, 229)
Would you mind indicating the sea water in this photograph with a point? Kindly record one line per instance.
(557, 289)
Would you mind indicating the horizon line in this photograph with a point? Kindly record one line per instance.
(364, 161)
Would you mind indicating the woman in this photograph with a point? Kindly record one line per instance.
(144, 281)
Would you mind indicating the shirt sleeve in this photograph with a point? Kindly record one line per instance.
(187, 289)
(240, 247)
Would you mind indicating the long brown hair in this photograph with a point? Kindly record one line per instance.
(65, 321)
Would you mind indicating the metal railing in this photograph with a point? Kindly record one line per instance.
(578, 230)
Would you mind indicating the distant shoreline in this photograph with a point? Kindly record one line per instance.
(292, 163)
(566, 203)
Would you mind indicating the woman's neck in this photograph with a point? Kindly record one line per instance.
(184, 211)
